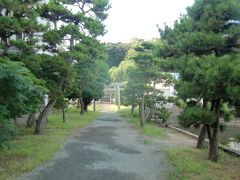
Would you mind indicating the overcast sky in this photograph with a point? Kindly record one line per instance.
(129, 19)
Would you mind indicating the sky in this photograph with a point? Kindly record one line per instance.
(129, 19)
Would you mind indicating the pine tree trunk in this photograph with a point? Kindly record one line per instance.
(63, 115)
(85, 108)
(142, 115)
(31, 37)
(5, 42)
(15, 121)
(139, 109)
(152, 108)
(202, 135)
(55, 25)
(31, 120)
(213, 153)
(82, 106)
(213, 141)
(43, 116)
(71, 42)
(152, 111)
(78, 104)
(132, 109)
(94, 105)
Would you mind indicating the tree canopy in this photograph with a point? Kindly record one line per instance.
(206, 43)
(41, 43)
(116, 53)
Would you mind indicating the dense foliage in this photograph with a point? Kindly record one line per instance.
(116, 52)
(141, 69)
(205, 42)
(20, 93)
(41, 43)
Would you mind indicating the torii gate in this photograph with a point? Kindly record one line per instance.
(114, 88)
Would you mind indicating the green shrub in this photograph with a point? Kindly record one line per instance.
(180, 103)
(163, 114)
(8, 131)
(237, 111)
(195, 116)
(171, 99)
(226, 113)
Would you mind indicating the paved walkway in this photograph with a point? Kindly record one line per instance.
(106, 150)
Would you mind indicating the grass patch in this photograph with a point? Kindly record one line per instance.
(191, 164)
(28, 150)
(150, 129)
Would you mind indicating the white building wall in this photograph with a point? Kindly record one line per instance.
(167, 90)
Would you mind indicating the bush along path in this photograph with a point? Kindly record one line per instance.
(28, 150)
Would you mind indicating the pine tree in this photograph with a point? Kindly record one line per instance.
(207, 32)
(72, 39)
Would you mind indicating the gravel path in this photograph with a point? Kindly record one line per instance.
(108, 149)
